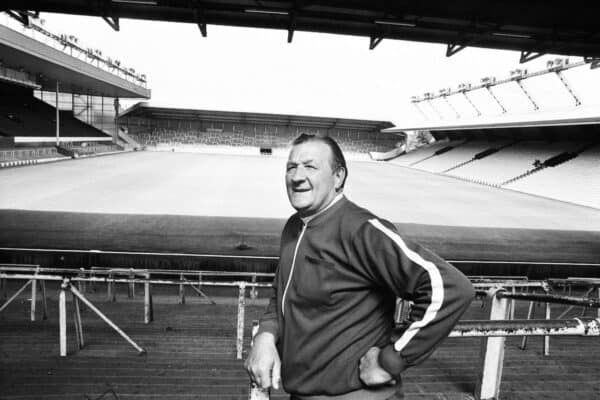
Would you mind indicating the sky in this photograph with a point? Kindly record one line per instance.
(256, 70)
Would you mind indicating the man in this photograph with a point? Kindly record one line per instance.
(327, 332)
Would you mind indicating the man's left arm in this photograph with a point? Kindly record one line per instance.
(439, 291)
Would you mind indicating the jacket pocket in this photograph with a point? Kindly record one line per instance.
(313, 281)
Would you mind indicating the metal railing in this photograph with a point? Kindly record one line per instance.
(69, 277)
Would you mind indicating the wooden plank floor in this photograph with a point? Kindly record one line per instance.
(191, 355)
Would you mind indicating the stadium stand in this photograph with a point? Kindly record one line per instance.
(194, 130)
(350, 141)
(21, 114)
(459, 155)
(512, 162)
(575, 180)
(425, 152)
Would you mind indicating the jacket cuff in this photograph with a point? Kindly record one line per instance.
(391, 360)
(270, 326)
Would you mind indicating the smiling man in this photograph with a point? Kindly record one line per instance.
(327, 332)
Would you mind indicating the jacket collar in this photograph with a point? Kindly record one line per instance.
(330, 206)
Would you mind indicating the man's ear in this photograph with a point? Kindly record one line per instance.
(339, 176)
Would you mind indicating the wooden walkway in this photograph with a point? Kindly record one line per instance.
(191, 355)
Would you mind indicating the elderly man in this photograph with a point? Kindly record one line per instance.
(327, 332)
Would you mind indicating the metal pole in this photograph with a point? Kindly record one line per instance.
(77, 322)
(547, 338)
(105, 318)
(253, 291)
(62, 319)
(57, 117)
(181, 290)
(492, 354)
(529, 315)
(44, 300)
(148, 309)
(131, 292)
(14, 296)
(240, 320)
(33, 298)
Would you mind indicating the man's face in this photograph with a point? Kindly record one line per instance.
(310, 180)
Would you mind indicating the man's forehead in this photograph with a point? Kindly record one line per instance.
(315, 151)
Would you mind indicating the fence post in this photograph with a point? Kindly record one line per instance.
(78, 325)
(598, 310)
(181, 290)
(148, 307)
(44, 300)
(492, 353)
(547, 338)
(529, 315)
(33, 298)
(131, 291)
(62, 318)
(253, 291)
(240, 320)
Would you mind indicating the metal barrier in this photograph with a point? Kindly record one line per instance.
(32, 274)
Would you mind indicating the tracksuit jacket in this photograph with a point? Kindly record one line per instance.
(335, 290)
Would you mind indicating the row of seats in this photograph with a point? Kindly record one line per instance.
(517, 165)
(362, 142)
(512, 161)
(21, 114)
(576, 181)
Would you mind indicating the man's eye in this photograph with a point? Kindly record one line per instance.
(311, 167)
(291, 168)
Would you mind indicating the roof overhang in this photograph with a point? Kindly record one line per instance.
(145, 111)
(532, 27)
(571, 117)
(50, 65)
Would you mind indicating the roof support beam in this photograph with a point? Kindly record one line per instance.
(568, 87)
(291, 27)
(527, 94)
(527, 56)
(454, 48)
(21, 16)
(113, 22)
(374, 41)
(200, 18)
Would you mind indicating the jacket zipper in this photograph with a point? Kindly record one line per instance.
(292, 269)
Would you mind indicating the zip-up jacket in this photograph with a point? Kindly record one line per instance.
(335, 291)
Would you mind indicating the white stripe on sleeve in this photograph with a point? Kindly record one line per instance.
(437, 286)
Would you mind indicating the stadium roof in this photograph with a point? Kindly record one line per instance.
(564, 118)
(143, 110)
(50, 65)
(529, 26)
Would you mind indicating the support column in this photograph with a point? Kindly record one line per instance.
(57, 116)
(62, 319)
(547, 338)
(240, 320)
(33, 298)
(116, 131)
(181, 290)
(148, 306)
(492, 355)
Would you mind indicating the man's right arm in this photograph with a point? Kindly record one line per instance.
(263, 363)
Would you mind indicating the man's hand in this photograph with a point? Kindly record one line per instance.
(371, 372)
(263, 363)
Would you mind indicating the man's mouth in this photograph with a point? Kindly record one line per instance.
(301, 190)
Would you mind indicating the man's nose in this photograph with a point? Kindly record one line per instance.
(299, 175)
